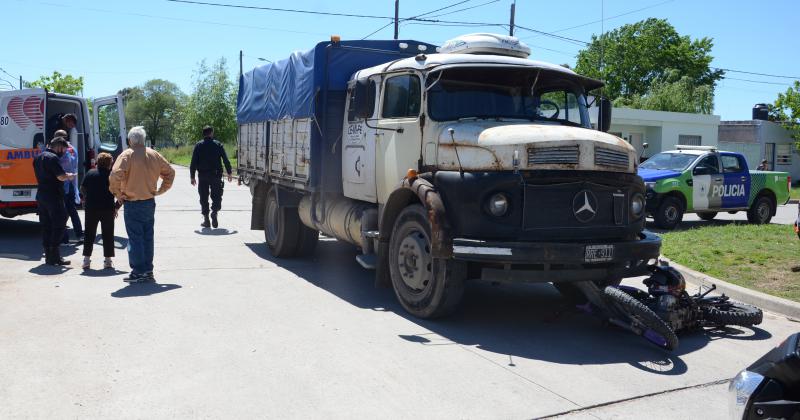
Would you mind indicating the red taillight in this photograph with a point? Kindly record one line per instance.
(90, 156)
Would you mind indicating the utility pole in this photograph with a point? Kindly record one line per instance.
(513, 12)
(396, 18)
(240, 63)
(20, 82)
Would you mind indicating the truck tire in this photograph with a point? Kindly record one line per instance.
(761, 211)
(307, 241)
(669, 213)
(707, 215)
(412, 268)
(281, 228)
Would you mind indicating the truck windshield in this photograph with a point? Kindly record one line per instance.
(508, 93)
(669, 161)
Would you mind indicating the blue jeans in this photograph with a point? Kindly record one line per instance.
(139, 221)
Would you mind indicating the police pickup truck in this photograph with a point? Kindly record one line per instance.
(706, 181)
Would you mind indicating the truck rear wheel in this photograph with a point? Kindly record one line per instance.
(285, 234)
(427, 287)
(707, 215)
(761, 211)
(669, 213)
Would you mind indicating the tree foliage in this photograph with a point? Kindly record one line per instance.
(787, 110)
(156, 106)
(60, 83)
(645, 61)
(212, 102)
(680, 95)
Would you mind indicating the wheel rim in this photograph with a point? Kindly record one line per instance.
(671, 213)
(272, 221)
(414, 261)
(763, 211)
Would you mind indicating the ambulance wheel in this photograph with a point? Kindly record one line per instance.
(427, 287)
(669, 213)
(707, 215)
(281, 228)
(761, 211)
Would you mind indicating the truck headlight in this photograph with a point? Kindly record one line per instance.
(740, 390)
(637, 205)
(498, 205)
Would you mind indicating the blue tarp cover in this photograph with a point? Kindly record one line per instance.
(287, 88)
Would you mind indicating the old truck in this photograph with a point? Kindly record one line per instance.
(706, 181)
(29, 117)
(467, 161)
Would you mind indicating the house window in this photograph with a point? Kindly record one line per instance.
(618, 134)
(783, 154)
(687, 140)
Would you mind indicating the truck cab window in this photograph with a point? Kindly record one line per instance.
(402, 97)
(559, 105)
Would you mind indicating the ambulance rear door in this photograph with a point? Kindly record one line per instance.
(108, 122)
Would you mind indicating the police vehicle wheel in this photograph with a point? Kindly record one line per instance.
(709, 215)
(761, 211)
(281, 228)
(669, 213)
(427, 287)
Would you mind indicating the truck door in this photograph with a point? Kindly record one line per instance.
(358, 159)
(108, 121)
(736, 190)
(706, 181)
(399, 139)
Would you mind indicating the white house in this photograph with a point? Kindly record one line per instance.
(759, 139)
(663, 130)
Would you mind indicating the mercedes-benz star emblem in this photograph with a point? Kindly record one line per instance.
(584, 206)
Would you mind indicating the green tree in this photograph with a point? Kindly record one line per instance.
(680, 95)
(154, 105)
(786, 110)
(66, 84)
(212, 102)
(635, 56)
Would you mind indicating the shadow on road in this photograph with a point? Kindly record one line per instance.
(105, 272)
(528, 321)
(49, 270)
(143, 289)
(215, 232)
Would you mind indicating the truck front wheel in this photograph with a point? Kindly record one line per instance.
(761, 211)
(427, 287)
(669, 213)
(285, 234)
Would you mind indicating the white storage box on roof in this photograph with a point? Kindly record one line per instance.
(492, 44)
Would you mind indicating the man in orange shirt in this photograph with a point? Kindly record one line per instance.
(133, 182)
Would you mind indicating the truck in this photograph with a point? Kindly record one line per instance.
(707, 181)
(441, 165)
(28, 119)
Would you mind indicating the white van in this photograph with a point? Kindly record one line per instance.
(28, 119)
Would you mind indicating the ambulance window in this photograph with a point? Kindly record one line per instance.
(711, 162)
(732, 164)
(108, 126)
(402, 97)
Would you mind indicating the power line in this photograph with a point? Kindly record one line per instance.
(610, 17)
(757, 74)
(757, 81)
(466, 8)
(420, 15)
(552, 35)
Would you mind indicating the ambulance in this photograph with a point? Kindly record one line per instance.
(29, 117)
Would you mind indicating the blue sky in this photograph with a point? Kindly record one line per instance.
(116, 44)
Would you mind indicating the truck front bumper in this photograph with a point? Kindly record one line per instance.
(559, 261)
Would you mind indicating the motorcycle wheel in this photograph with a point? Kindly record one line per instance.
(652, 327)
(731, 313)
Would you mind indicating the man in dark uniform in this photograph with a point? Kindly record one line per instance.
(206, 162)
(50, 198)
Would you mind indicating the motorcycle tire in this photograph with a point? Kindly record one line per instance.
(732, 313)
(657, 331)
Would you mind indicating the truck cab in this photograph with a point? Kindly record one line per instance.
(470, 162)
(28, 119)
(706, 181)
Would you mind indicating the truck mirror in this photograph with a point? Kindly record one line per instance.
(363, 98)
(604, 114)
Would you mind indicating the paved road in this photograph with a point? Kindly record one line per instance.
(785, 215)
(229, 331)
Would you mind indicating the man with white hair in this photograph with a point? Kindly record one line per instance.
(133, 182)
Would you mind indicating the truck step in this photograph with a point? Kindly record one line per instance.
(372, 234)
(368, 261)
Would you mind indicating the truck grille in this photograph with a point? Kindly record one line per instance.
(606, 157)
(553, 155)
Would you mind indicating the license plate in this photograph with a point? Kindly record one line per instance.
(21, 193)
(599, 253)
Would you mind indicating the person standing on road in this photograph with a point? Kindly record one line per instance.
(69, 162)
(763, 166)
(99, 208)
(206, 162)
(133, 182)
(50, 177)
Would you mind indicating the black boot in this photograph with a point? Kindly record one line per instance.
(205, 223)
(214, 222)
(55, 257)
(48, 257)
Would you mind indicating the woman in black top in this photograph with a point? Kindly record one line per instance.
(99, 207)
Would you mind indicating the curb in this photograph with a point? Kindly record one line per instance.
(793, 201)
(781, 306)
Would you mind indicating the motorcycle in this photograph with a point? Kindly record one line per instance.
(770, 387)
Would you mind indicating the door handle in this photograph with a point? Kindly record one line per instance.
(718, 179)
(744, 178)
(689, 182)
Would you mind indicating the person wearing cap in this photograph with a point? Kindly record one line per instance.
(134, 182)
(69, 162)
(50, 177)
(207, 158)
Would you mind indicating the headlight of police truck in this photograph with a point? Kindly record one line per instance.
(637, 205)
(649, 185)
(740, 390)
(498, 205)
